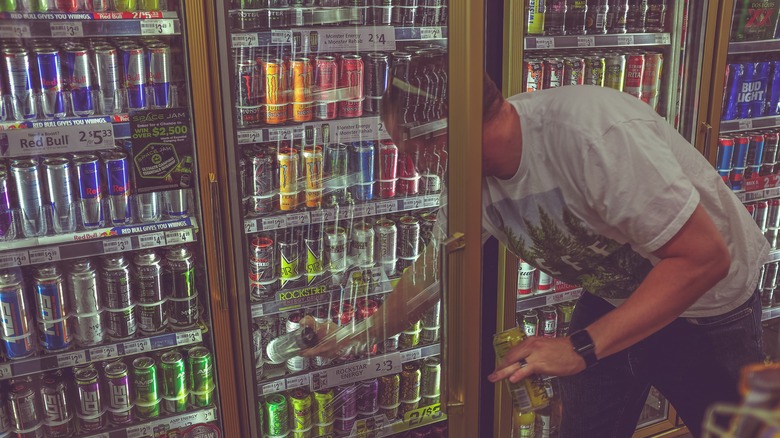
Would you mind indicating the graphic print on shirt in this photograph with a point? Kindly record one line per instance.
(541, 230)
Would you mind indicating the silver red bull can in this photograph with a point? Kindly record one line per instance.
(108, 79)
(18, 73)
(134, 74)
(160, 75)
(27, 178)
(90, 190)
(7, 230)
(60, 194)
(79, 81)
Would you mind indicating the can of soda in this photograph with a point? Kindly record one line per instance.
(159, 56)
(530, 323)
(90, 409)
(51, 83)
(275, 91)
(24, 406)
(90, 192)
(152, 307)
(615, 71)
(119, 406)
(367, 399)
(200, 373)
(20, 82)
(651, 79)
(573, 71)
(276, 415)
(298, 363)
(594, 70)
(7, 229)
(430, 379)
(288, 178)
(544, 282)
(552, 73)
(323, 408)
(325, 84)
(388, 169)
(146, 388)
(52, 308)
(57, 410)
(315, 253)
(179, 277)
(351, 83)
(336, 248)
(79, 80)
(60, 193)
(134, 74)
(410, 382)
(527, 394)
(117, 171)
(27, 178)
(550, 322)
(301, 71)
(723, 163)
(535, 11)
(337, 170)
(261, 182)
(362, 166)
(533, 74)
(15, 321)
(83, 287)
(377, 71)
(174, 382)
(108, 78)
(312, 169)
(301, 404)
(362, 245)
(761, 214)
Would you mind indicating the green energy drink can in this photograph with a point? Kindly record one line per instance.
(430, 379)
(410, 382)
(276, 415)
(261, 414)
(147, 399)
(149, 5)
(594, 70)
(174, 382)
(389, 390)
(615, 71)
(564, 317)
(528, 394)
(323, 407)
(7, 5)
(300, 401)
(200, 367)
(125, 5)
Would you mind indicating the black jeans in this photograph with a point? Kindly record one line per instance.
(694, 362)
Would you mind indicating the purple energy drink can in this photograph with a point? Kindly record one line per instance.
(758, 88)
(134, 73)
(50, 77)
(92, 416)
(118, 182)
(90, 194)
(368, 397)
(734, 73)
(49, 292)
(362, 163)
(19, 75)
(119, 406)
(6, 215)
(14, 316)
(160, 74)
(79, 81)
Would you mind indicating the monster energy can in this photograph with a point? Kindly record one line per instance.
(179, 277)
(386, 245)
(174, 390)
(276, 415)
(200, 374)
(152, 308)
(147, 399)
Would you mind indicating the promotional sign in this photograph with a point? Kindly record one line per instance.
(162, 149)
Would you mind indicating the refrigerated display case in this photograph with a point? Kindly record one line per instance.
(328, 211)
(107, 322)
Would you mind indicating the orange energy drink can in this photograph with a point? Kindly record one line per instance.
(528, 394)
(302, 109)
(288, 178)
(275, 91)
(312, 168)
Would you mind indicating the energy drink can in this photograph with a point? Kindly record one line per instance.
(249, 94)
(351, 82)
(83, 286)
(126, 5)
(79, 80)
(362, 163)
(368, 397)
(430, 379)
(336, 248)
(297, 363)
(60, 193)
(57, 409)
(20, 86)
(288, 178)
(24, 406)
(146, 388)
(336, 170)
(377, 67)
(117, 169)
(134, 74)
(315, 252)
(275, 91)
(276, 415)
(108, 79)
(115, 280)
(152, 307)
(14, 316)
(90, 191)
(615, 71)
(160, 74)
(51, 83)
(290, 257)
(323, 408)
(386, 245)
(362, 245)
(179, 277)
(408, 176)
(52, 306)
(174, 382)
(200, 374)
(408, 237)
(261, 259)
(302, 110)
(27, 178)
(261, 183)
(90, 409)
(345, 400)
(594, 70)
(301, 404)
(312, 169)
(119, 406)
(528, 394)
(325, 84)
(410, 382)
(7, 230)
(388, 169)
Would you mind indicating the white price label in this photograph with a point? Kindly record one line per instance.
(362, 39)
(431, 33)
(157, 27)
(282, 134)
(545, 43)
(625, 40)
(431, 201)
(662, 38)
(745, 124)
(281, 36)
(274, 223)
(297, 381)
(257, 311)
(19, 30)
(71, 359)
(45, 255)
(413, 203)
(410, 355)
(250, 226)
(586, 41)
(179, 236)
(117, 245)
(60, 136)
(5, 371)
(296, 219)
(385, 207)
(190, 337)
(140, 431)
(369, 210)
(152, 240)
(103, 353)
(139, 346)
(66, 29)
(361, 370)
(245, 40)
(320, 216)
(14, 259)
(274, 387)
(250, 136)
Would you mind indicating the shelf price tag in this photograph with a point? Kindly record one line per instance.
(250, 136)
(363, 39)
(245, 40)
(431, 201)
(385, 207)
(413, 203)
(142, 430)
(296, 219)
(178, 236)
(103, 353)
(139, 346)
(274, 223)
(71, 359)
(5, 371)
(19, 30)
(369, 209)
(157, 27)
(320, 216)
(625, 40)
(662, 38)
(410, 355)
(14, 259)
(190, 337)
(274, 387)
(423, 416)
(586, 41)
(117, 245)
(745, 124)
(371, 368)
(431, 33)
(250, 226)
(44, 255)
(297, 381)
(545, 43)
(257, 310)
(281, 36)
(152, 240)
(66, 29)
(61, 136)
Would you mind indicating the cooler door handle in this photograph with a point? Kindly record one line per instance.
(707, 137)
(216, 234)
(451, 265)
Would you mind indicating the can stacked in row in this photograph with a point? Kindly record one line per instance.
(48, 79)
(747, 155)
(548, 321)
(302, 413)
(93, 397)
(767, 217)
(276, 14)
(752, 88)
(594, 17)
(82, 5)
(635, 72)
(532, 281)
(767, 285)
(81, 303)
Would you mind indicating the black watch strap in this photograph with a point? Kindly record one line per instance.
(584, 346)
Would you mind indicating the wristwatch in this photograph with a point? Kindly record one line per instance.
(583, 345)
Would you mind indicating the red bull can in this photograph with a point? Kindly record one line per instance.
(7, 230)
(90, 190)
(134, 73)
(362, 162)
(52, 308)
(18, 73)
(117, 171)
(15, 322)
(160, 74)
(79, 80)
(51, 83)
(60, 193)
(108, 78)
(28, 181)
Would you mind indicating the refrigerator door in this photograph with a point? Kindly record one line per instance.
(333, 209)
(107, 323)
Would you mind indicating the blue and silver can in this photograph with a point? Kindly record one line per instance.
(90, 193)
(20, 82)
(773, 91)
(754, 154)
(336, 171)
(27, 179)
(6, 214)
(52, 308)
(108, 78)
(723, 164)
(118, 183)
(15, 326)
(734, 73)
(160, 74)
(741, 146)
(362, 163)
(60, 193)
(51, 84)
(79, 81)
(134, 74)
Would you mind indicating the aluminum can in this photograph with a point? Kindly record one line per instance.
(342, 314)
(386, 245)
(656, 16)
(51, 83)
(261, 259)
(249, 93)
(770, 153)
(576, 17)
(90, 409)
(146, 388)
(174, 382)
(549, 322)
(404, 14)
(615, 71)
(564, 319)
(594, 70)
(636, 20)
(180, 280)
(351, 80)
(261, 183)
(52, 306)
(325, 83)
(60, 193)
(336, 248)
(290, 256)
(120, 324)
(361, 161)
(27, 178)
(773, 215)
(410, 382)
(301, 71)
(297, 363)
(553, 73)
(770, 275)
(651, 79)
(275, 91)
(79, 80)
(597, 17)
(119, 392)
(23, 405)
(388, 169)
(527, 394)
(761, 214)
(7, 230)
(754, 154)
(20, 82)
(108, 79)
(160, 74)
(377, 73)
(117, 170)
(544, 282)
(533, 74)
(312, 170)
(430, 379)
(90, 191)
(617, 16)
(408, 237)
(134, 75)
(301, 404)
(389, 391)
(345, 401)
(336, 170)
(408, 176)
(88, 330)
(67, 5)
(116, 281)
(83, 287)
(530, 323)
(362, 245)
(152, 309)
(149, 5)
(200, 374)
(276, 415)
(635, 67)
(257, 350)
(773, 98)
(288, 178)
(741, 147)
(555, 17)
(15, 321)
(535, 11)
(368, 397)
(57, 411)
(323, 408)
(315, 253)
(98, 5)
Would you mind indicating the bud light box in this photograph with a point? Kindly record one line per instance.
(754, 20)
(752, 89)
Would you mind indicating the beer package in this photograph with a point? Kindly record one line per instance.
(754, 20)
(528, 394)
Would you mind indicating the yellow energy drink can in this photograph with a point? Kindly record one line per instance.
(528, 394)
(288, 179)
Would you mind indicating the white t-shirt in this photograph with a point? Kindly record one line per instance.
(603, 182)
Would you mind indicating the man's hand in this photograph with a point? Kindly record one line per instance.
(334, 341)
(547, 356)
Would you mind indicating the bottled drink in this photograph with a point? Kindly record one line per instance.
(555, 18)
(575, 16)
(596, 18)
(525, 424)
